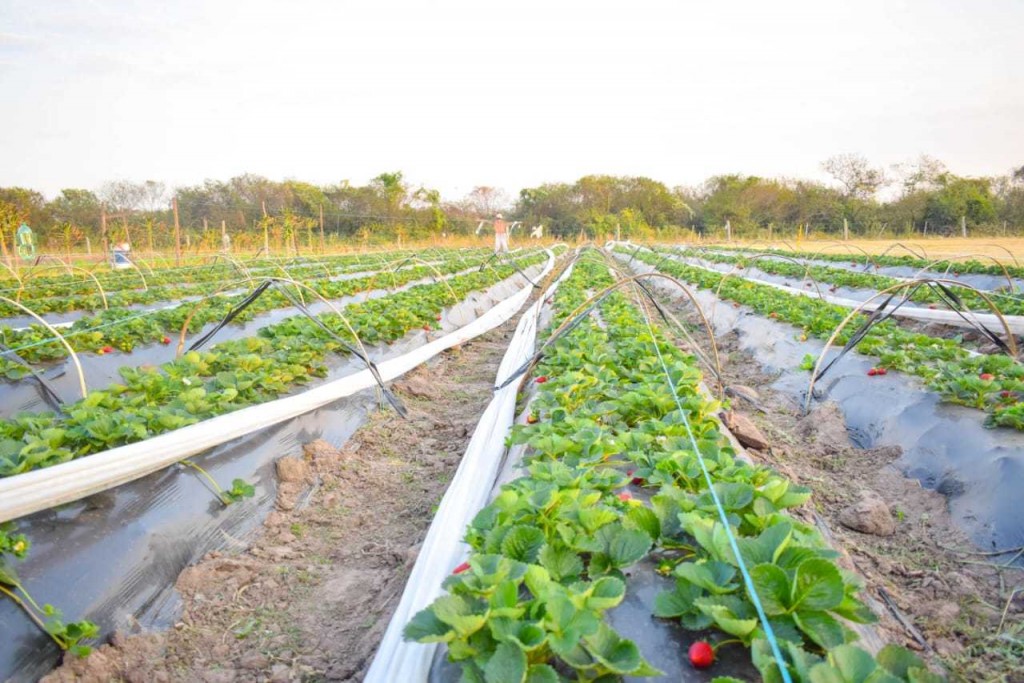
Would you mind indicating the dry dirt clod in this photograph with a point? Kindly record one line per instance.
(745, 430)
(415, 385)
(826, 426)
(292, 469)
(869, 515)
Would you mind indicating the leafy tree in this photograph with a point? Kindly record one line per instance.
(76, 206)
(485, 201)
(393, 191)
(971, 198)
(923, 174)
(857, 177)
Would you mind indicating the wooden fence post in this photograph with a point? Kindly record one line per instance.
(177, 233)
(323, 241)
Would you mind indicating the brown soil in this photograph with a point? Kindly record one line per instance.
(931, 592)
(311, 599)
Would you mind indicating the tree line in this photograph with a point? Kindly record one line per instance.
(918, 198)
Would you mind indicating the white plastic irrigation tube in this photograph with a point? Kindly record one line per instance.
(443, 548)
(989, 320)
(30, 492)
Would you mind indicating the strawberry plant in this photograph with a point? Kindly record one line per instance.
(70, 636)
(123, 328)
(232, 375)
(240, 489)
(944, 364)
(839, 277)
(570, 524)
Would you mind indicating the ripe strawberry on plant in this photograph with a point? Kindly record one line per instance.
(105, 349)
(872, 372)
(461, 568)
(625, 496)
(986, 376)
(165, 340)
(531, 419)
(541, 379)
(702, 655)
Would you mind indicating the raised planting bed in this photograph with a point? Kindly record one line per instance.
(158, 523)
(627, 472)
(234, 374)
(993, 383)
(1008, 304)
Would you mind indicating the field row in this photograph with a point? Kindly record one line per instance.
(626, 472)
(990, 382)
(233, 374)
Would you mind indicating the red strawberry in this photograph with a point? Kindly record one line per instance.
(625, 495)
(882, 371)
(106, 349)
(461, 568)
(638, 481)
(439, 318)
(426, 328)
(773, 314)
(531, 419)
(541, 379)
(987, 376)
(872, 372)
(165, 340)
(1006, 394)
(702, 655)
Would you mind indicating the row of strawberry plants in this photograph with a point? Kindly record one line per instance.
(90, 299)
(61, 283)
(838, 277)
(972, 266)
(611, 478)
(994, 383)
(123, 329)
(233, 374)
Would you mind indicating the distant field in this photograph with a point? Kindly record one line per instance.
(1003, 248)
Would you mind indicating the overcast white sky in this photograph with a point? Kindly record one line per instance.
(512, 94)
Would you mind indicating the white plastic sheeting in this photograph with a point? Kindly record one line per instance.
(43, 489)
(442, 549)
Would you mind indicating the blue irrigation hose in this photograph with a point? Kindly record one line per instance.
(747, 580)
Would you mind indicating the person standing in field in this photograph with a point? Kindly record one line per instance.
(500, 234)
